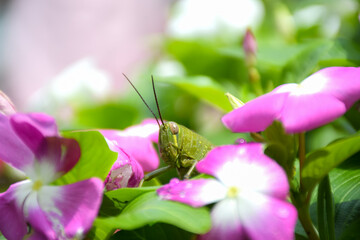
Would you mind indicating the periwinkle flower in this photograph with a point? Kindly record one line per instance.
(250, 192)
(31, 143)
(318, 100)
(137, 141)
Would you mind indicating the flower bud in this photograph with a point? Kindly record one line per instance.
(235, 102)
(250, 47)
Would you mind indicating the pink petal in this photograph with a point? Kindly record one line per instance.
(125, 172)
(32, 128)
(148, 128)
(342, 83)
(64, 153)
(12, 150)
(35, 235)
(139, 147)
(37, 218)
(72, 207)
(196, 193)
(278, 216)
(246, 167)
(12, 221)
(252, 217)
(257, 114)
(305, 112)
(226, 222)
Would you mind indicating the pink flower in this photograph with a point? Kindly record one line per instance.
(30, 142)
(250, 190)
(318, 100)
(137, 141)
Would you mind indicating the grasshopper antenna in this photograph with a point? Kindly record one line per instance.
(144, 100)
(157, 103)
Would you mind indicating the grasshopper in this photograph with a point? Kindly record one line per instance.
(179, 147)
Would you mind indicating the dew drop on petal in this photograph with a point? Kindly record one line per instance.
(283, 213)
(240, 141)
(174, 181)
(188, 185)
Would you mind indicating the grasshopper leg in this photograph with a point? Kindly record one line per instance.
(154, 173)
(191, 169)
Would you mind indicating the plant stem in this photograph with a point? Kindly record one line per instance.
(301, 199)
(304, 217)
(302, 156)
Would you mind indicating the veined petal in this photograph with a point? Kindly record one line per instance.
(257, 114)
(12, 220)
(6, 106)
(37, 219)
(72, 208)
(35, 235)
(12, 150)
(305, 112)
(226, 224)
(342, 83)
(257, 210)
(125, 172)
(245, 167)
(196, 193)
(33, 128)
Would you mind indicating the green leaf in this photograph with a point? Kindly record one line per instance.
(303, 64)
(322, 161)
(345, 180)
(100, 232)
(96, 157)
(108, 115)
(206, 58)
(281, 147)
(114, 201)
(348, 220)
(341, 52)
(203, 88)
(159, 231)
(148, 209)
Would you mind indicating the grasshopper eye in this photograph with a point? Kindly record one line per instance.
(174, 128)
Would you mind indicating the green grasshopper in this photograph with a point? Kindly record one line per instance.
(179, 147)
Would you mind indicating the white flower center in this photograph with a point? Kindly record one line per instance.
(37, 185)
(233, 192)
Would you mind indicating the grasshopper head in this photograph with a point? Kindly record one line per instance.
(168, 142)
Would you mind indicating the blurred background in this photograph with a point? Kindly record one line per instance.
(67, 57)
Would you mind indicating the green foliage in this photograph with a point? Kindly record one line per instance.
(96, 157)
(148, 208)
(281, 147)
(109, 115)
(322, 161)
(157, 231)
(203, 88)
